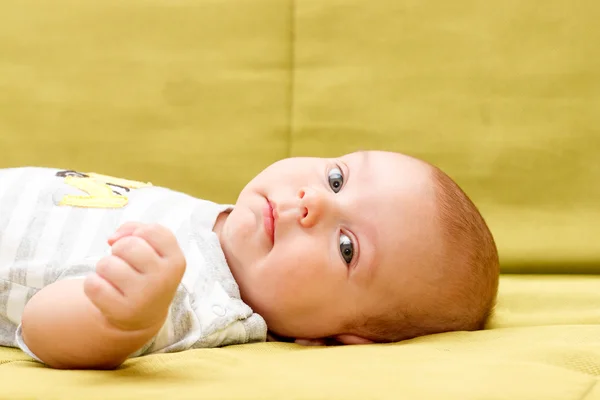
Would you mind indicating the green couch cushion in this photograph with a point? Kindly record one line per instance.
(504, 96)
(544, 358)
(192, 95)
(200, 96)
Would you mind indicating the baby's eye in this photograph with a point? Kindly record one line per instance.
(346, 248)
(336, 179)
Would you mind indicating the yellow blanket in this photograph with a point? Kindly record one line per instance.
(543, 344)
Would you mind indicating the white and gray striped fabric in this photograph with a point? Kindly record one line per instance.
(54, 224)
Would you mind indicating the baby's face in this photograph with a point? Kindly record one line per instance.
(316, 243)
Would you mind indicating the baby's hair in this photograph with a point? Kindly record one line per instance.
(466, 233)
(470, 252)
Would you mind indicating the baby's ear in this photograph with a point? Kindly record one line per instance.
(352, 339)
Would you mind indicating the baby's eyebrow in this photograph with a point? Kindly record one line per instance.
(365, 158)
(368, 249)
(368, 238)
(362, 165)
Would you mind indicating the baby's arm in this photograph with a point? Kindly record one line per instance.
(98, 322)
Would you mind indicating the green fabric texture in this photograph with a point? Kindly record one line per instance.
(504, 97)
(201, 95)
(191, 95)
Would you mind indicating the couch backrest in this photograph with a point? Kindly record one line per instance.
(199, 96)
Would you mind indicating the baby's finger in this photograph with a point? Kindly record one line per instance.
(118, 273)
(136, 252)
(126, 229)
(104, 295)
(162, 240)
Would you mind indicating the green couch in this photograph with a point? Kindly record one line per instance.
(199, 95)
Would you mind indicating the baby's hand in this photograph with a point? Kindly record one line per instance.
(135, 285)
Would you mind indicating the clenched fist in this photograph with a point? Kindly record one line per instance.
(134, 286)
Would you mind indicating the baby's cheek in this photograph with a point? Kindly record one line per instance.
(305, 275)
(240, 223)
(280, 271)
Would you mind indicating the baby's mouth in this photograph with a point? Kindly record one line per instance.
(269, 215)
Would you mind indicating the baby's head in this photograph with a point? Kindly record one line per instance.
(370, 247)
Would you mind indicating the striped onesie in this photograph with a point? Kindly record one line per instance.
(54, 224)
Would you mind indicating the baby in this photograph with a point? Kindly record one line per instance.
(369, 247)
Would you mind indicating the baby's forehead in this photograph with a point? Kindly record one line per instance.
(399, 174)
(396, 196)
(387, 159)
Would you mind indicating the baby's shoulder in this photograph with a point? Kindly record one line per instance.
(29, 171)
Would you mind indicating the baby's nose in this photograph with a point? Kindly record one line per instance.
(312, 206)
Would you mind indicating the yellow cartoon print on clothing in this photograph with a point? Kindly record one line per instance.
(102, 191)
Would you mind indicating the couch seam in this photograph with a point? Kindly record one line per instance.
(585, 394)
(292, 77)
